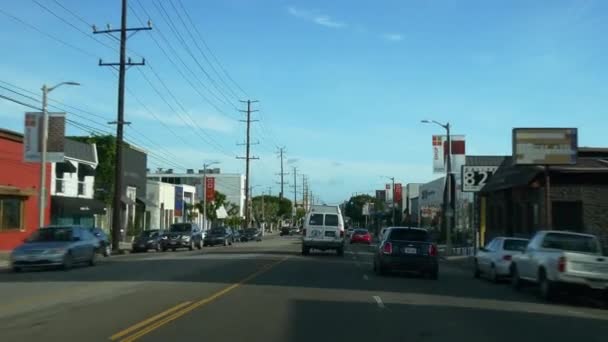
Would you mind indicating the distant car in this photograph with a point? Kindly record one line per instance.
(251, 234)
(407, 249)
(105, 244)
(218, 236)
(285, 231)
(361, 236)
(494, 260)
(349, 232)
(56, 246)
(182, 235)
(146, 240)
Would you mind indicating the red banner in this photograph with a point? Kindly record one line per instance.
(398, 193)
(210, 189)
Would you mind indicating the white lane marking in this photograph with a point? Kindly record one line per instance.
(365, 277)
(379, 302)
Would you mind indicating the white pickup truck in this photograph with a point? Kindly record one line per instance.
(557, 260)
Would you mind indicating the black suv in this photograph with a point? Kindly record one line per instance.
(182, 235)
(219, 236)
(251, 234)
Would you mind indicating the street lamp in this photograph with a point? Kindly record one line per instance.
(205, 166)
(447, 212)
(45, 128)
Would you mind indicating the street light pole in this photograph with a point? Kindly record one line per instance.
(448, 212)
(45, 133)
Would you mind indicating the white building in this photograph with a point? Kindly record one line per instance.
(230, 184)
(166, 204)
(73, 186)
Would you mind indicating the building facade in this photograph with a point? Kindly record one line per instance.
(230, 184)
(169, 203)
(19, 184)
(73, 186)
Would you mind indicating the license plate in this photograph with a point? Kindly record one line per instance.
(410, 250)
(173, 242)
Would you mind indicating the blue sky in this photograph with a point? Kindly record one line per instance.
(342, 84)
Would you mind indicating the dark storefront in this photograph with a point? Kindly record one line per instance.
(75, 210)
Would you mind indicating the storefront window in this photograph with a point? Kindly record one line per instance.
(11, 213)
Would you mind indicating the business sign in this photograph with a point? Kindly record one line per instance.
(209, 189)
(33, 137)
(475, 177)
(440, 152)
(381, 195)
(366, 209)
(398, 195)
(429, 212)
(545, 146)
(179, 201)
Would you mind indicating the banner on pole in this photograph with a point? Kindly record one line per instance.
(398, 193)
(210, 189)
(32, 139)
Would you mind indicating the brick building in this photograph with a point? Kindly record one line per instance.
(19, 182)
(514, 198)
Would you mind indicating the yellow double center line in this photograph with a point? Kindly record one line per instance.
(179, 310)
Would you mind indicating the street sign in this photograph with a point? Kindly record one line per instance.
(32, 140)
(475, 177)
(545, 146)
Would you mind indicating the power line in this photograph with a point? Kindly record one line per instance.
(161, 9)
(185, 65)
(47, 34)
(72, 13)
(234, 95)
(208, 49)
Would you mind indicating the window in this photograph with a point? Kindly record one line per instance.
(515, 245)
(409, 235)
(81, 186)
(331, 220)
(11, 213)
(571, 242)
(316, 220)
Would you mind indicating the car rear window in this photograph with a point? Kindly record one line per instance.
(316, 220)
(571, 242)
(331, 220)
(515, 245)
(361, 231)
(409, 235)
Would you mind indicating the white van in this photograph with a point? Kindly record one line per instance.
(323, 229)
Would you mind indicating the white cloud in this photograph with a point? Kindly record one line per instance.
(315, 17)
(393, 37)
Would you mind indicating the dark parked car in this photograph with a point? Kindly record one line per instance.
(56, 246)
(105, 244)
(146, 240)
(407, 249)
(182, 235)
(219, 236)
(285, 231)
(251, 234)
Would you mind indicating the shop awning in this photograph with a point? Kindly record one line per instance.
(61, 205)
(145, 202)
(15, 191)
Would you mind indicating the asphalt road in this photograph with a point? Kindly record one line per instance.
(267, 291)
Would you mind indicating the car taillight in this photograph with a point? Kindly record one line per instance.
(433, 250)
(387, 248)
(561, 264)
(506, 257)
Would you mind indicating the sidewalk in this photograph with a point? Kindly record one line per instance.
(463, 262)
(4, 256)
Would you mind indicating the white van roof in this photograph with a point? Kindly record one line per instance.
(325, 209)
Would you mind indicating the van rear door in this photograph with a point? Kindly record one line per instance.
(331, 227)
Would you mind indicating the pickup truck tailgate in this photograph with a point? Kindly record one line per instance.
(586, 265)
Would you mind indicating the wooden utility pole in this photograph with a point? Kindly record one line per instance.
(248, 157)
(295, 193)
(120, 121)
(282, 174)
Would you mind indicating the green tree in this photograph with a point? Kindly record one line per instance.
(213, 206)
(271, 208)
(354, 207)
(104, 174)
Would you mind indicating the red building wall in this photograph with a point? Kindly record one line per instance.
(26, 176)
